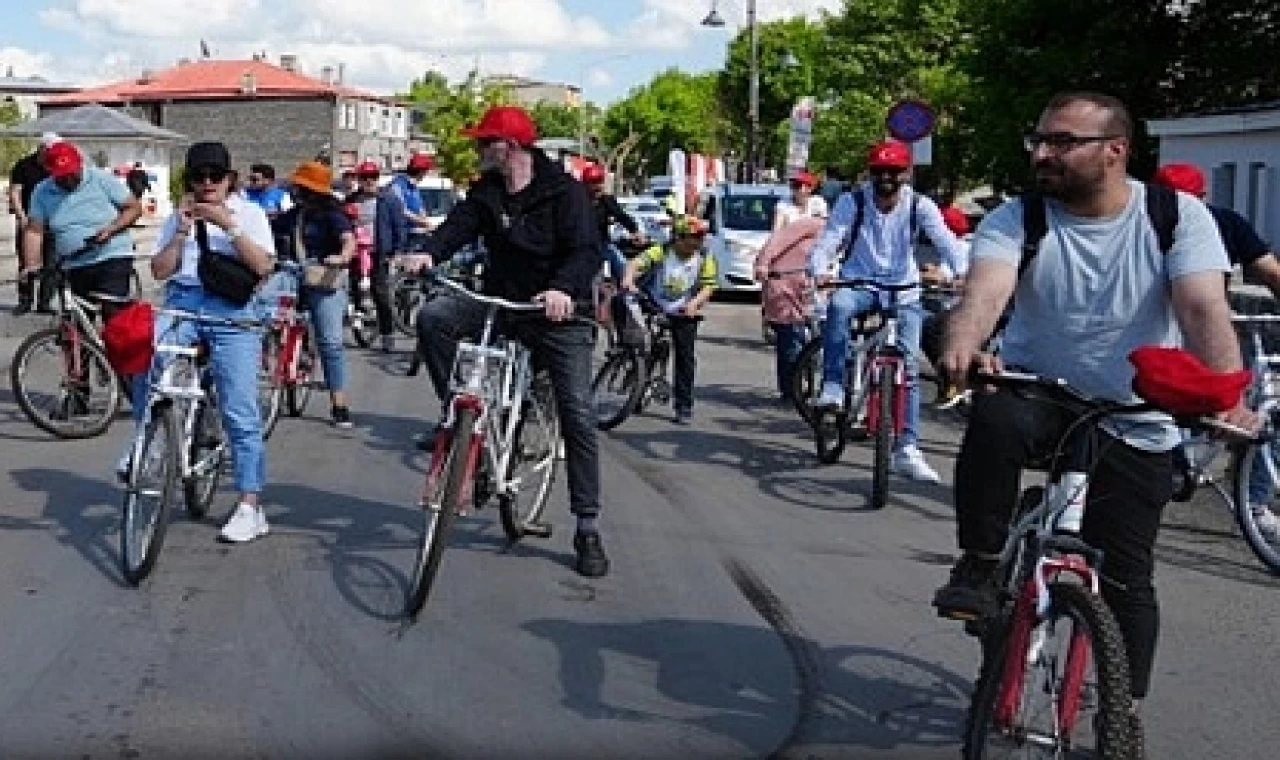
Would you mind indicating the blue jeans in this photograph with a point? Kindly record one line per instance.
(328, 310)
(235, 358)
(613, 257)
(845, 304)
(788, 340)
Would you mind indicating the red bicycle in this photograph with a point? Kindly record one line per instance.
(289, 357)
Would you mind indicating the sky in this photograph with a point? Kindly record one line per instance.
(607, 47)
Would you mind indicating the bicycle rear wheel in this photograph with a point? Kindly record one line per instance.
(297, 394)
(55, 401)
(617, 388)
(445, 482)
(149, 493)
(208, 456)
(533, 461)
(406, 299)
(882, 397)
(1250, 463)
(806, 380)
(1041, 677)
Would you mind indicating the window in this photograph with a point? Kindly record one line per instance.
(749, 212)
(1224, 186)
(1254, 196)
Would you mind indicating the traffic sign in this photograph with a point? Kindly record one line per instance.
(910, 120)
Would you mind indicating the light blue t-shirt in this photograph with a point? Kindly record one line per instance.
(1098, 289)
(76, 216)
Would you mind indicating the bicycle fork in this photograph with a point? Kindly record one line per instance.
(440, 457)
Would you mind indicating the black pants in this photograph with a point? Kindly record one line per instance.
(43, 282)
(564, 350)
(1128, 489)
(684, 337)
(379, 291)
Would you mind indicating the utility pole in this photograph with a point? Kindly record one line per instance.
(753, 97)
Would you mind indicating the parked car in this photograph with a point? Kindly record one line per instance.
(650, 215)
(740, 219)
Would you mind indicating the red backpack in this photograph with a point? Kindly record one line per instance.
(129, 338)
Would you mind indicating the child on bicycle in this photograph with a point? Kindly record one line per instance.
(680, 278)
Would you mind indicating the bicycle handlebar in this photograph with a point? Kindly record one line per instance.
(865, 284)
(192, 316)
(502, 303)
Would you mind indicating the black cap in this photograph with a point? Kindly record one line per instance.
(210, 154)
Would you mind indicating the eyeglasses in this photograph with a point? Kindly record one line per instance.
(484, 142)
(207, 175)
(1061, 142)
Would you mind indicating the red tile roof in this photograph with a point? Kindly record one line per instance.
(210, 79)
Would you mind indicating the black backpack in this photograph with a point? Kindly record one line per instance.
(1162, 212)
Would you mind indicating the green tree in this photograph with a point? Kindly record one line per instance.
(565, 121)
(443, 111)
(674, 110)
(11, 149)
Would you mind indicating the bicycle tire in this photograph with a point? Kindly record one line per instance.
(633, 382)
(806, 379)
(437, 521)
(885, 394)
(207, 443)
(542, 472)
(140, 544)
(1244, 459)
(1115, 740)
(297, 394)
(270, 391)
(406, 299)
(99, 372)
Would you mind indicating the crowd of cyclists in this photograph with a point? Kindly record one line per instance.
(1102, 282)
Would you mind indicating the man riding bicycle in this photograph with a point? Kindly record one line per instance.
(872, 231)
(1099, 286)
(539, 229)
(81, 205)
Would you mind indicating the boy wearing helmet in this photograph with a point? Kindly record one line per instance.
(682, 278)
(871, 234)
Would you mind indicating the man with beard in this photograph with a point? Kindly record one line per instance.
(872, 232)
(1099, 287)
(540, 231)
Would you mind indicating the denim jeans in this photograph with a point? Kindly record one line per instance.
(328, 309)
(235, 358)
(788, 341)
(613, 257)
(564, 350)
(845, 304)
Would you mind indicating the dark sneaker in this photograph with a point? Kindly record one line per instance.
(592, 563)
(21, 308)
(971, 593)
(684, 416)
(45, 308)
(341, 417)
(426, 440)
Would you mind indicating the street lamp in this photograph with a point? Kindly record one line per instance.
(714, 20)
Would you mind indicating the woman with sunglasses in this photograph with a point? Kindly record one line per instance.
(211, 216)
(324, 242)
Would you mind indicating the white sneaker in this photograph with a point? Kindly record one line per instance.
(832, 396)
(909, 461)
(1268, 524)
(246, 523)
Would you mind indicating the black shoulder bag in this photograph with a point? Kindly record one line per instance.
(227, 277)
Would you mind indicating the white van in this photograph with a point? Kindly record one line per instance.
(438, 197)
(741, 220)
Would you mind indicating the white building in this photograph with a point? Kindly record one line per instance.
(1239, 152)
(25, 92)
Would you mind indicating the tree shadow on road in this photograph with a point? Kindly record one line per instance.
(852, 695)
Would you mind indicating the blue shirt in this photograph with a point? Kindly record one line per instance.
(407, 191)
(78, 215)
(272, 198)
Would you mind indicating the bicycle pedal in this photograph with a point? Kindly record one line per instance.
(538, 530)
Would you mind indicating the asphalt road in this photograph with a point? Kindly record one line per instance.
(755, 607)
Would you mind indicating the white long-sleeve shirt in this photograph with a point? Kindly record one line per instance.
(883, 250)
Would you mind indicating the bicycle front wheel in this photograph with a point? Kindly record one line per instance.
(270, 390)
(297, 394)
(1257, 478)
(149, 493)
(882, 397)
(1054, 687)
(533, 461)
(65, 390)
(446, 481)
(617, 388)
(806, 380)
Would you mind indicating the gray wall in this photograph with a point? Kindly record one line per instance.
(282, 132)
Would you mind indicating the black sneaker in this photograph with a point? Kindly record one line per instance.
(684, 416)
(23, 307)
(426, 440)
(971, 593)
(592, 563)
(341, 417)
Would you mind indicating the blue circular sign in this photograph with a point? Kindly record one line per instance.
(910, 120)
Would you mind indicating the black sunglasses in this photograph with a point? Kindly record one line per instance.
(209, 174)
(1061, 142)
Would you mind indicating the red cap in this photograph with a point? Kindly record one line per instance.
(62, 159)
(889, 154)
(955, 220)
(420, 162)
(369, 168)
(593, 174)
(805, 177)
(505, 123)
(1185, 177)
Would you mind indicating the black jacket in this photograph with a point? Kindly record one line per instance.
(607, 212)
(542, 238)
